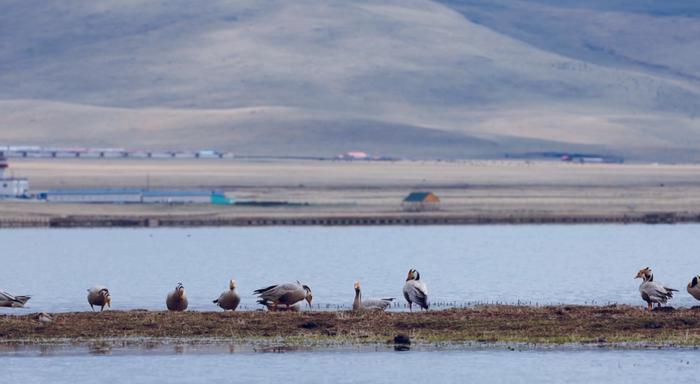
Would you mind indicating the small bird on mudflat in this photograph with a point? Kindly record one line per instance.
(653, 292)
(99, 295)
(44, 318)
(9, 300)
(176, 300)
(286, 294)
(360, 304)
(229, 300)
(415, 291)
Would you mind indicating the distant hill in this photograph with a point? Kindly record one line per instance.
(414, 78)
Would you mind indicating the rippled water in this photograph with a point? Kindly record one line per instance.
(460, 264)
(452, 366)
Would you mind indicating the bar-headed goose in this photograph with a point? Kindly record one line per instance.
(415, 291)
(229, 300)
(287, 294)
(368, 304)
(176, 300)
(99, 295)
(694, 287)
(9, 300)
(652, 291)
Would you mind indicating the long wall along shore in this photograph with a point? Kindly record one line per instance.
(351, 220)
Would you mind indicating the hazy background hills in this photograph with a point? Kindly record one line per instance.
(401, 78)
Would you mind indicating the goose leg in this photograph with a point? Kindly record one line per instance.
(93, 308)
(410, 307)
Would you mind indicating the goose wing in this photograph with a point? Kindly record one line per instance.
(381, 304)
(416, 292)
(97, 288)
(6, 296)
(656, 292)
(9, 300)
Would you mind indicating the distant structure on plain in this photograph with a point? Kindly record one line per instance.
(421, 201)
(11, 187)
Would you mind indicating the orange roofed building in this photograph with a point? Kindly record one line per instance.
(421, 201)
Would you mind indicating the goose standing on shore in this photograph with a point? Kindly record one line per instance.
(369, 304)
(99, 295)
(9, 300)
(176, 300)
(286, 294)
(415, 291)
(652, 291)
(694, 287)
(229, 300)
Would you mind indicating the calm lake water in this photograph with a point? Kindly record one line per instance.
(480, 366)
(461, 264)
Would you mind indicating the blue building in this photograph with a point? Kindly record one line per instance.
(133, 196)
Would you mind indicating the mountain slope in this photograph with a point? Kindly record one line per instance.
(407, 78)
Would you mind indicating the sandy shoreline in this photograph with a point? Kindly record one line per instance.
(551, 325)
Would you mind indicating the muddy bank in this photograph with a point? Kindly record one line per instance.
(492, 324)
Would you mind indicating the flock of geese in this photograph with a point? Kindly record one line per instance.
(278, 297)
(654, 292)
(287, 296)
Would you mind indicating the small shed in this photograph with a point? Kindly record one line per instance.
(421, 201)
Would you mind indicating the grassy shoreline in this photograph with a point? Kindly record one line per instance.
(493, 324)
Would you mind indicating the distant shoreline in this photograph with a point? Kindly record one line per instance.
(359, 219)
(361, 193)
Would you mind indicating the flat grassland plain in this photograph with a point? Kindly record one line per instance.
(481, 191)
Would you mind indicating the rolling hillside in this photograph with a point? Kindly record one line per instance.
(409, 78)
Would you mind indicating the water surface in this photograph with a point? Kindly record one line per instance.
(458, 366)
(549, 264)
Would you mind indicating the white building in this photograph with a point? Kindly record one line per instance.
(11, 186)
(354, 155)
